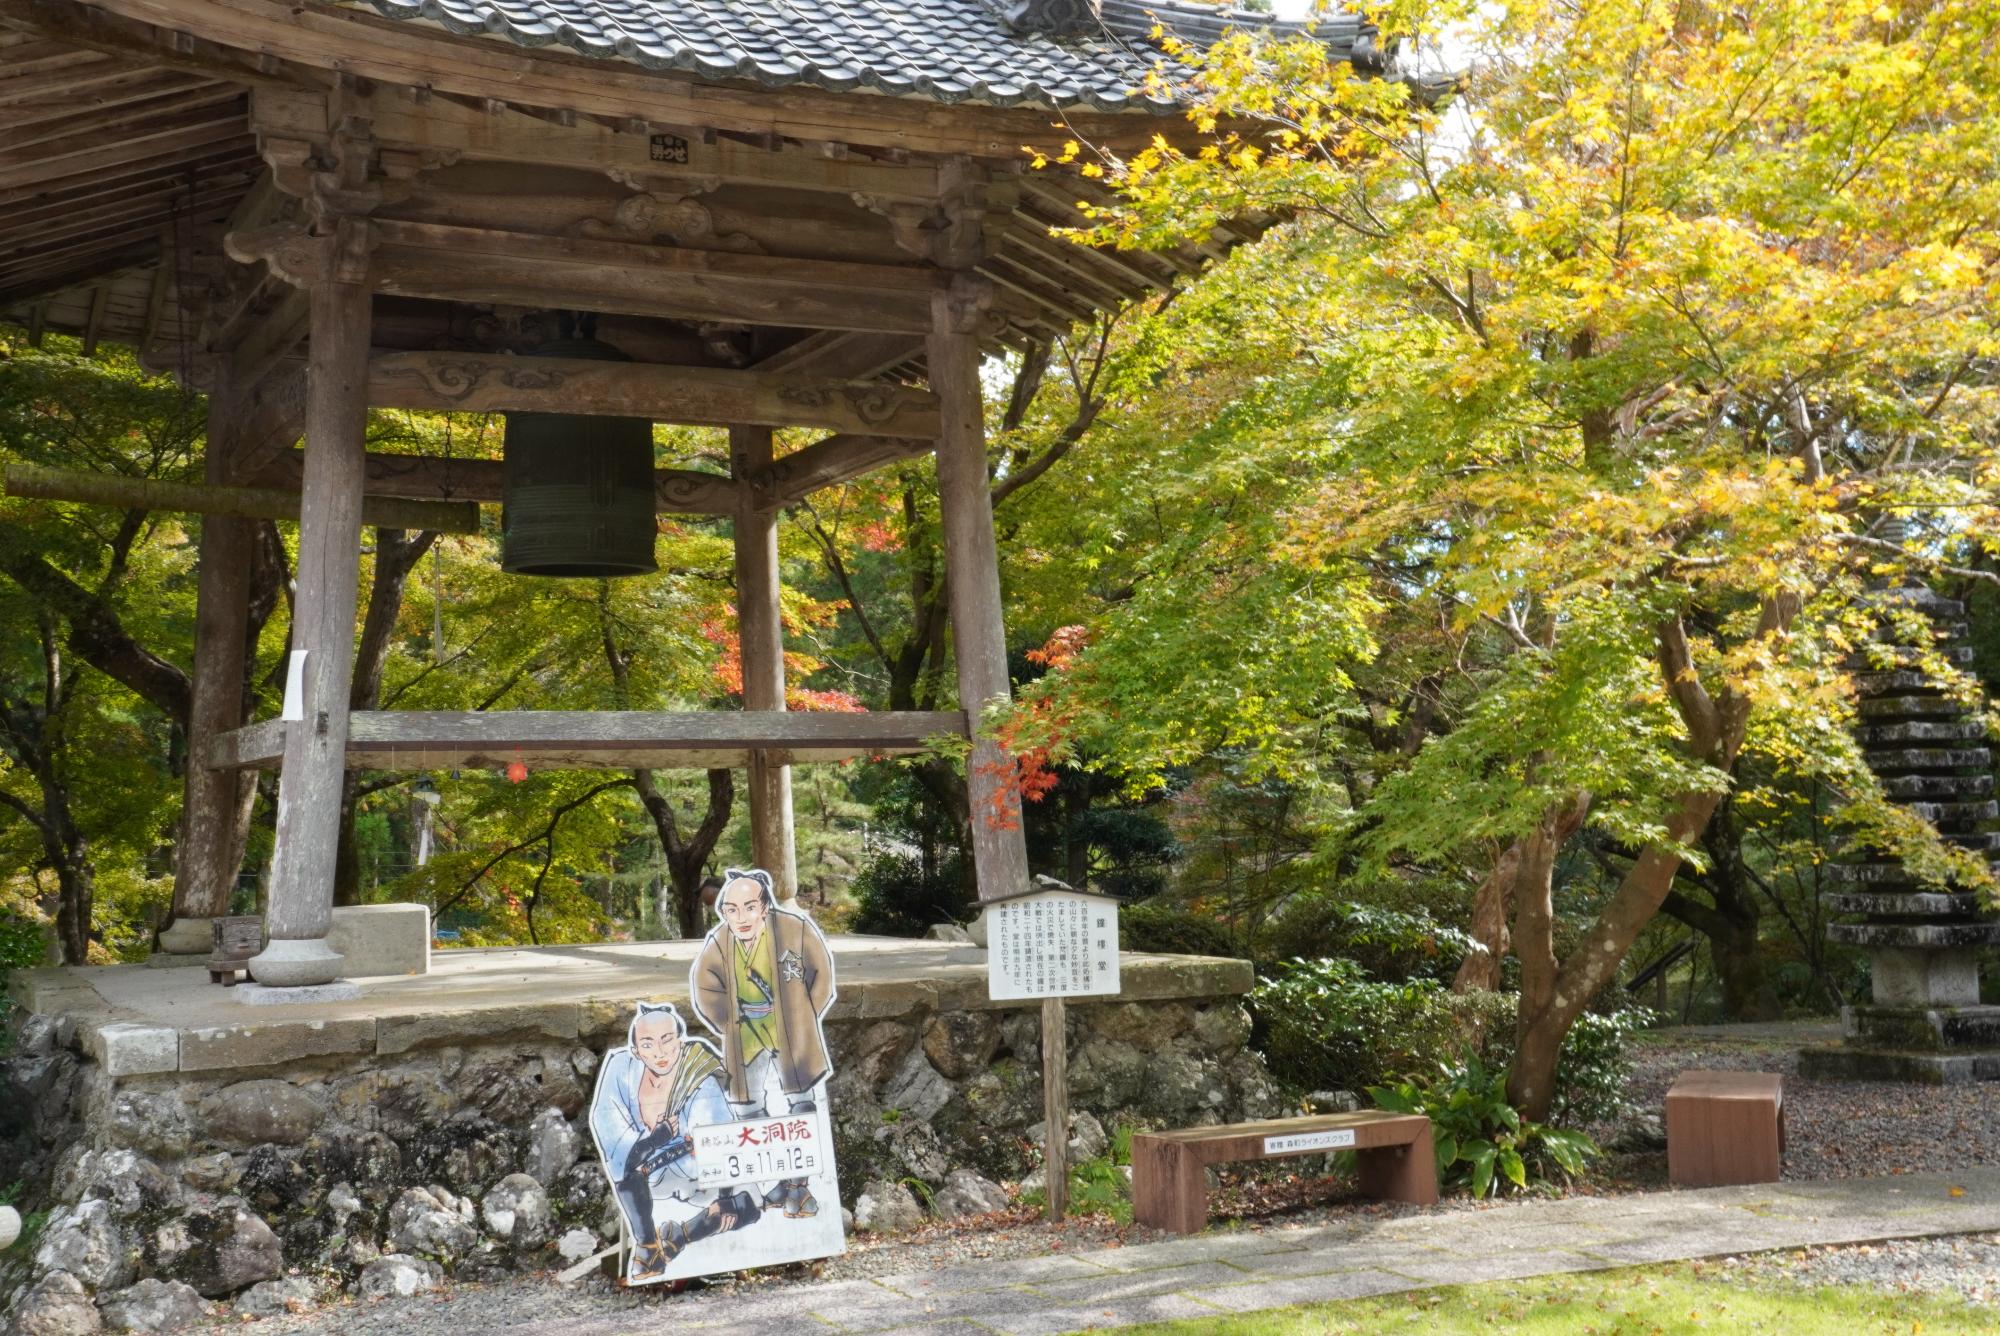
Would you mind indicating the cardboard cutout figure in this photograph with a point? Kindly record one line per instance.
(722, 1161)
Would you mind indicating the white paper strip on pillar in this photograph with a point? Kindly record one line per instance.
(295, 686)
(1051, 943)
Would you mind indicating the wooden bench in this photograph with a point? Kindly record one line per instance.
(1725, 1128)
(1393, 1152)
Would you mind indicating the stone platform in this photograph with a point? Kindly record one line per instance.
(175, 1133)
(135, 1021)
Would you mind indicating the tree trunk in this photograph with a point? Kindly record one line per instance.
(687, 859)
(1492, 904)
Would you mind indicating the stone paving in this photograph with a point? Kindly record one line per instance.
(1245, 1270)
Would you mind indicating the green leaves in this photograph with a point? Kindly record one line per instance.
(1482, 1141)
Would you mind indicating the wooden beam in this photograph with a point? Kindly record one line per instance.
(516, 268)
(112, 489)
(99, 295)
(761, 636)
(118, 145)
(972, 572)
(474, 383)
(828, 463)
(54, 131)
(300, 895)
(600, 739)
(429, 478)
(844, 353)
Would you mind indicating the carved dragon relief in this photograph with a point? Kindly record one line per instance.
(675, 219)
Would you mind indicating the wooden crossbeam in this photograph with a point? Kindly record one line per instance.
(599, 740)
(476, 383)
(110, 489)
(427, 478)
(446, 263)
(836, 459)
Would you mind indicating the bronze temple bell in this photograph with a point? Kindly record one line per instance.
(577, 492)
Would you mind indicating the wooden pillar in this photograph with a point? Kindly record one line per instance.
(211, 835)
(761, 630)
(309, 789)
(972, 571)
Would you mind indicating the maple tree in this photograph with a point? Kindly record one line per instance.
(1610, 366)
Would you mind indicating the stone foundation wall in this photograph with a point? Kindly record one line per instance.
(383, 1172)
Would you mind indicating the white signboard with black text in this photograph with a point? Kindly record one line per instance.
(1052, 944)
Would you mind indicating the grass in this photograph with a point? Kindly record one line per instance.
(1649, 1301)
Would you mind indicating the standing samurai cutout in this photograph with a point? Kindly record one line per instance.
(762, 982)
(721, 1161)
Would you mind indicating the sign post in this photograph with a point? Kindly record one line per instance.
(1052, 943)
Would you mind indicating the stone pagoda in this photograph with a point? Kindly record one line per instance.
(1923, 1021)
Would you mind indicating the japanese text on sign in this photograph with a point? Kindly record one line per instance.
(1056, 944)
(759, 1151)
(1298, 1142)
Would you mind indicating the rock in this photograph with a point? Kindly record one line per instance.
(273, 1298)
(442, 1234)
(552, 1147)
(1107, 1074)
(402, 1102)
(153, 1305)
(517, 1209)
(915, 1151)
(1144, 1025)
(1178, 1084)
(271, 1178)
(87, 1241)
(917, 1090)
(576, 1245)
(581, 1192)
(257, 1113)
(150, 1122)
(483, 1152)
(356, 1157)
(960, 1044)
(1222, 1029)
(1258, 1094)
(966, 1193)
(947, 932)
(867, 1062)
(1087, 1138)
(210, 1173)
(56, 1305)
(399, 1277)
(127, 1180)
(10, 1227)
(342, 1203)
(1637, 1134)
(1332, 1101)
(1021, 1035)
(222, 1249)
(886, 1208)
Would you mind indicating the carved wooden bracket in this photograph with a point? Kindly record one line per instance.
(670, 218)
(301, 257)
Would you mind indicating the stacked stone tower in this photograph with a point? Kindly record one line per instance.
(1924, 1021)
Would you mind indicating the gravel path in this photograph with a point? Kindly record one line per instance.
(1967, 1265)
(1835, 1129)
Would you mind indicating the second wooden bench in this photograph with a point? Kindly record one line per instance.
(1393, 1154)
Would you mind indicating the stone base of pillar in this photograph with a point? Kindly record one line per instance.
(261, 995)
(189, 937)
(287, 963)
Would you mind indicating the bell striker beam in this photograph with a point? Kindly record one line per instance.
(301, 892)
(761, 633)
(972, 568)
(211, 846)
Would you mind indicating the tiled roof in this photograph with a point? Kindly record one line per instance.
(942, 50)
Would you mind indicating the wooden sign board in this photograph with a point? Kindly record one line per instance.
(1051, 943)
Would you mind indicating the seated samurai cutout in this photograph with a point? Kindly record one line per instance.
(650, 1096)
(762, 982)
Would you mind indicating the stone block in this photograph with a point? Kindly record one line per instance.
(553, 1020)
(1910, 978)
(124, 1049)
(296, 995)
(382, 939)
(226, 1047)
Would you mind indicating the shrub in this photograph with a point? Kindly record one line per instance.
(1482, 1141)
(1173, 931)
(1323, 1024)
(895, 898)
(1326, 1026)
(1388, 943)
